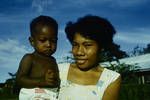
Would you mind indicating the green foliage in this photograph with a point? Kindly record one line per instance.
(8, 97)
(105, 56)
(128, 72)
(68, 58)
(137, 50)
(135, 92)
(147, 49)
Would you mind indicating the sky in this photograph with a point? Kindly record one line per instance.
(131, 19)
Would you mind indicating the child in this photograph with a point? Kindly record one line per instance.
(38, 73)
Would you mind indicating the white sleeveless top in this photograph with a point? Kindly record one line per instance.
(73, 91)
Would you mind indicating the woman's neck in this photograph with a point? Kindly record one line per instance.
(89, 77)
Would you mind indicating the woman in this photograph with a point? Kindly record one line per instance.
(86, 79)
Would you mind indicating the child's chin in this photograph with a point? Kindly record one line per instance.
(47, 54)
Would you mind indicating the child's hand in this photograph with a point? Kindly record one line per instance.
(52, 78)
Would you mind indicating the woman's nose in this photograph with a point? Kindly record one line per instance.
(80, 51)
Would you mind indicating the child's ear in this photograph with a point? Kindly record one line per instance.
(31, 41)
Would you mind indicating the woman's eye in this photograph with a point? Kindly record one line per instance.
(74, 44)
(87, 45)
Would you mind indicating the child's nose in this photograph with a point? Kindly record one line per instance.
(48, 43)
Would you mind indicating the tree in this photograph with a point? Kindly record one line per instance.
(147, 49)
(13, 76)
(11, 86)
(137, 50)
(112, 53)
(68, 59)
(127, 71)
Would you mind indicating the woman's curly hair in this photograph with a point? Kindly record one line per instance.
(96, 28)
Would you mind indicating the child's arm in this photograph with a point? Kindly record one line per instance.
(23, 73)
(25, 81)
(52, 78)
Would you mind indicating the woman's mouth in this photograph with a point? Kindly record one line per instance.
(80, 61)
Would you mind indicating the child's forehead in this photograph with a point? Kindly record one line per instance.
(43, 27)
(45, 32)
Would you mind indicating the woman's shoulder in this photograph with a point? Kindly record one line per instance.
(110, 74)
(111, 71)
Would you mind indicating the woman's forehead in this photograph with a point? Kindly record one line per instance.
(80, 37)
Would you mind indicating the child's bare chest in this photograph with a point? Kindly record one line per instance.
(40, 67)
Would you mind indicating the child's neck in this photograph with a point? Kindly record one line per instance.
(40, 55)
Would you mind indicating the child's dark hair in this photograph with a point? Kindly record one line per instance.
(42, 21)
(96, 28)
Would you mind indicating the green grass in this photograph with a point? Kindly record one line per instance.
(8, 97)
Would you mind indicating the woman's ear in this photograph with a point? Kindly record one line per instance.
(31, 41)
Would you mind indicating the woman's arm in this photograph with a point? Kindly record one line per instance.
(112, 90)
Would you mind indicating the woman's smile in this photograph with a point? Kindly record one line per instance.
(81, 61)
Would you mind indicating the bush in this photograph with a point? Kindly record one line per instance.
(135, 92)
(127, 71)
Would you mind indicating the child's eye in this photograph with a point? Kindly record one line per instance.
(53, 40)
(42, 40)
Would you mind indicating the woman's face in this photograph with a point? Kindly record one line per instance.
(85, 52)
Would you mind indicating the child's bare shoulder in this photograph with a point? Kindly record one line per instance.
(26, 61)
(52, 58)
(27, 57)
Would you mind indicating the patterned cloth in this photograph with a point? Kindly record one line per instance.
(72, 91)
(38, 94)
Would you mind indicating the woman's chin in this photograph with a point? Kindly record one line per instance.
(83, 67)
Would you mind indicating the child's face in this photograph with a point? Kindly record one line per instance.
(45, 41)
